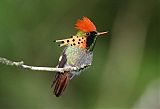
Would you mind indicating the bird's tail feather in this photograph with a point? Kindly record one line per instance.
(60, 83)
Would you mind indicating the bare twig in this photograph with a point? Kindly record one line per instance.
(22, 65)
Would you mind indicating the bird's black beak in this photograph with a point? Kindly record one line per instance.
(101, 33)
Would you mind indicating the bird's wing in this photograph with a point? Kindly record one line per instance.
(62, 60)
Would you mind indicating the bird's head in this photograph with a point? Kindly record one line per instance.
(86, 35)
(88, 31)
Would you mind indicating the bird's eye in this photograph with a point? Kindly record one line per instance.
(87, 33)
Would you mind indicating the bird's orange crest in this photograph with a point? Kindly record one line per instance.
(85, 25)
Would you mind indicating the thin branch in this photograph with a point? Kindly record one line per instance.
(22, 65)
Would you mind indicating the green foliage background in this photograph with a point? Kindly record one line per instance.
(125, 62)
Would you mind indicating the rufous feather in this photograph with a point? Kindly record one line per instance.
(85, 25)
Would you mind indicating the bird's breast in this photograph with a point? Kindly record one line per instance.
(78, 56)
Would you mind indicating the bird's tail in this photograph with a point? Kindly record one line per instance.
(60, 83)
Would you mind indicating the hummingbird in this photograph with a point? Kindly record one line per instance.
(78, 52)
